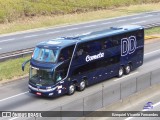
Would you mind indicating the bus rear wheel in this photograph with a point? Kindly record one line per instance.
(71, 89)
(127, 69)
(82, 85)
(120, 71)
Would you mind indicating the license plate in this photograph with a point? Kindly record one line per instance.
(38, 93)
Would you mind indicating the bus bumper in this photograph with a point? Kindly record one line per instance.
(40, 92)
(51, 94)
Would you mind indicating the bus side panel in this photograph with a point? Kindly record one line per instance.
(113, 57)
(133, 50)
(97, 75)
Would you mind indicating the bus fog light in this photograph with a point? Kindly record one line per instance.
(50, 94)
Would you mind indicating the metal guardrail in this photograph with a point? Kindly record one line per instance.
(151, 25)
(15, 54)
(24, 52)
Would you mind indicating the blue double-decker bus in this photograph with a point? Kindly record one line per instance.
(67, 64)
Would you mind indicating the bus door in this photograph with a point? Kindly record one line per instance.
(61, 85)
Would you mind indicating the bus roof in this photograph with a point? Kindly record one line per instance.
(110, 32)
(57, 43)
(67, 41)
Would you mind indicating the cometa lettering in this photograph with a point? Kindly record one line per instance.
(94, 57)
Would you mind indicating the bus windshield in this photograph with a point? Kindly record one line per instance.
(42, 77)
(45, 55)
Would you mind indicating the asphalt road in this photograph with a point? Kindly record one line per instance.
(23, 40)
(15, 97)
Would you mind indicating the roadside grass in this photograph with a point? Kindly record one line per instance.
(11, 69)
(27, 23)
(11, 10)
(155, 30)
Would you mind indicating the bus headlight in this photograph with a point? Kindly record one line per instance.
(49, 89)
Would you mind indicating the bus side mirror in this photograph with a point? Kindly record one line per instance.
(23, 65)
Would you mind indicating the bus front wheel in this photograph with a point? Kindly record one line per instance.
(71, 89)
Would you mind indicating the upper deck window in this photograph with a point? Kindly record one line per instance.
(66, 53)
(89, 47)
(45, 55)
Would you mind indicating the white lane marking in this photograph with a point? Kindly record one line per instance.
(138, 22)
(13, 118)
(82, 23)
(29, 36)
(7, 40)
(106, 23)
(121, 20)
(126, 76)
(156, 104)
(135, 18)
(128, 118)
(89, 26)
(13, 96)
(73, 29)
(152, 52)
(148, 16)
(51, 32)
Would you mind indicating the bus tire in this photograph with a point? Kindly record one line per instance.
(82, 85)
(127, 69)
(120, 71)
(71, 89)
